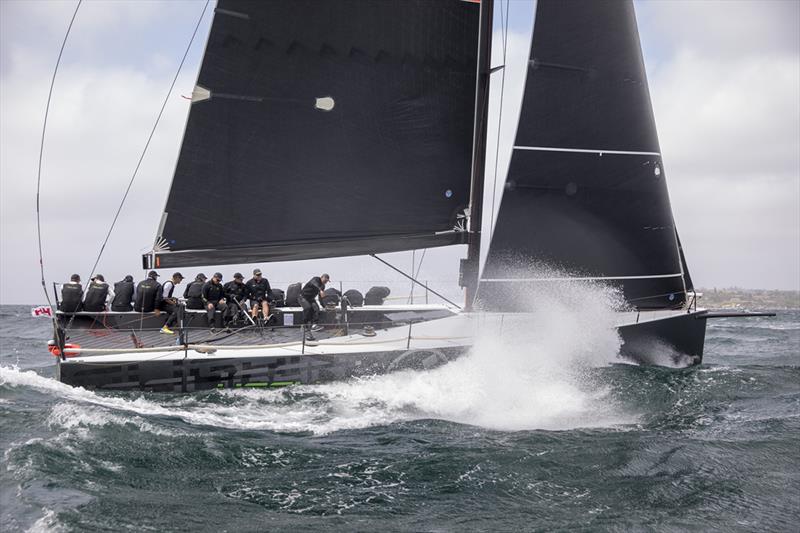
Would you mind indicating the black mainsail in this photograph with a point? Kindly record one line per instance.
(585, 193)
(322, 129)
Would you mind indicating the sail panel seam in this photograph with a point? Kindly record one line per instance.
(584, 150)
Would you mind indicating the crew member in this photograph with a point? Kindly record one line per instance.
(236, 292)
(312, 290)
(122, 300)
(98, 295)
(147, 297)
(169, 304)
(260, 295)
(71, 295)
(194, 292)
(214, 298)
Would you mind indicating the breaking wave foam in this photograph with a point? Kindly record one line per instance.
(534, 372)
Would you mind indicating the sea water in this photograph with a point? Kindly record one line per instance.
(541, 427)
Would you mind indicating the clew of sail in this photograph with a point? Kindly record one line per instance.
(585, 193)
(322, 129)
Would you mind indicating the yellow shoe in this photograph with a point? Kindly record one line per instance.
(168, 331)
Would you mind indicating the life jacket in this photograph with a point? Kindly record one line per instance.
(312, 288)
(354, 298)
(123, 294)
(194, 295)
(236, 290)
(213, 292)
(171, 288)
(292, 293)
(278, 298)
(376, 295)
(146, 296)
(95, 299)
(331, 298)
(71, 296)
(258, 289)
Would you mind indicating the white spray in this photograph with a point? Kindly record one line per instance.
(531, 371)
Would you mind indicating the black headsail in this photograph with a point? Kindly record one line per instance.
(585, 194)
(322, 129)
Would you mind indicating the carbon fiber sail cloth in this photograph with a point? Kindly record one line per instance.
(585, 194)
(325, 128)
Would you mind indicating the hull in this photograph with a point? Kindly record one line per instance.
(665, 338)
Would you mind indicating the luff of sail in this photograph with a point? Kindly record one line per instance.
(325, 129)
(585, 195)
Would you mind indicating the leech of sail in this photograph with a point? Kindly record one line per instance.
(590, 278)
(583, 150)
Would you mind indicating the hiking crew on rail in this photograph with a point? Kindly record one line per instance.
(224, 304)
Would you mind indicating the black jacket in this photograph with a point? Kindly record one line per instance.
(239, 291)
(213, 292)
(260, 290)
(148, 296)
(71, 297)
(123, 296)
(312, 289)
(95, 299)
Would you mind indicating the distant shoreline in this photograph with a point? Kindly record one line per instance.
(719, 298)
(738, 298)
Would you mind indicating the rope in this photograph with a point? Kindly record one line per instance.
(149, 138)
(146, 146)
(415, 281)
(415, 274)
(41, 155)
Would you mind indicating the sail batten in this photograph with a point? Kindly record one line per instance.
(326, 125)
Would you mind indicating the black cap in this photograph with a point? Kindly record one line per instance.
(152, 274)
(257, 272)
(74, 277)
(128, 278)
(200, 277)
(238, 275)
(177, 275)
(217, 275)
(100, 277)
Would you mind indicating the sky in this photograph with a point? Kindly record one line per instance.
(724, 78)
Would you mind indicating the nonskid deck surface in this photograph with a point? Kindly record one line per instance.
(134, 331)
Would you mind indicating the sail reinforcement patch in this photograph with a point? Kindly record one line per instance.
(325, 103)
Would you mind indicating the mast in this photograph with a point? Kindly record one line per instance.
(470, 267)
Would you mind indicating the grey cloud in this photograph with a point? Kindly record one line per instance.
(725, 100)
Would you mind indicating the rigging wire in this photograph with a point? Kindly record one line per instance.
(41, 154)
(504, 27)
(144, 152)
(149, 138)
(414, 280)
(415, 274)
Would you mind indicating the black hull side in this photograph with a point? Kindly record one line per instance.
(677, 340)
(673, 341)
(187, 375)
